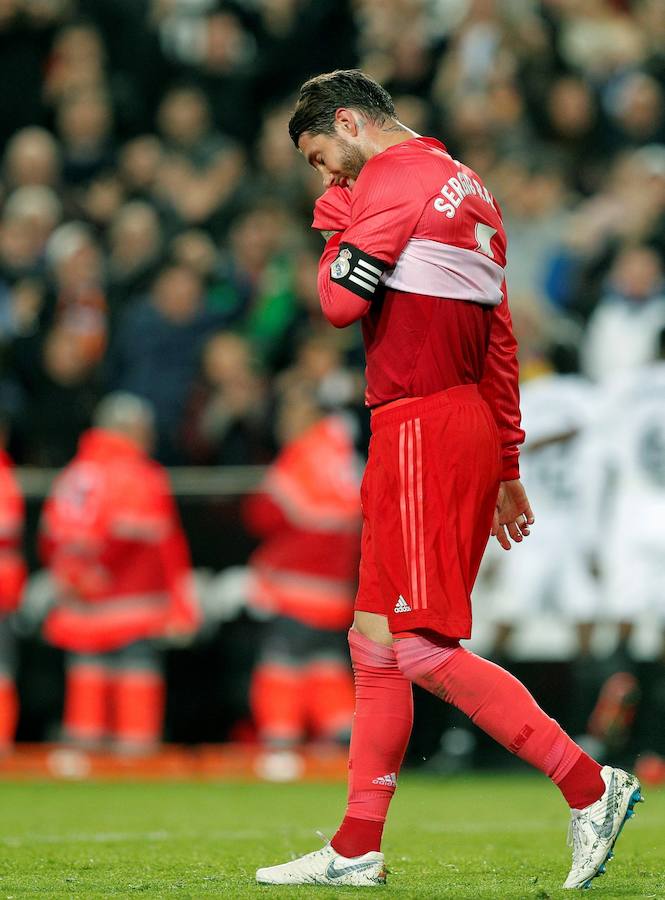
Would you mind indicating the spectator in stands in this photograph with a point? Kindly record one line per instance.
(29, 217)
(289, 44)
(99, 200)
(12, 581)
(112, 540)
(637, 113)
(135, 250)
(20, 306)
(222, 61)
(572, 122)
(307, 320)
(533, 199)
(227, 421)
(203, 167)
(157, 349)
(60, 394)
(279, 177)
(76, 300)
(476, 52)
(32, 157)
(195, 248)
(139, 162)
(628, 209)
(624, 328)
(76, 63)
(599, 39)
(259, 278)
(85, 129)
(307, 516)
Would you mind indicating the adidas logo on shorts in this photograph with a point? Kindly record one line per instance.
(402, 605)
(390, 780)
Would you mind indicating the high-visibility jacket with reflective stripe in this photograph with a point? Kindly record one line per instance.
(111, 536)
(308, 514)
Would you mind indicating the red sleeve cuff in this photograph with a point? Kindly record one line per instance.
(510, 470)
(332, 211)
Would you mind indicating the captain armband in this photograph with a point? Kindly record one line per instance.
(357, 271)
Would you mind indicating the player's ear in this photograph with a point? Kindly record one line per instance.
(346, 121)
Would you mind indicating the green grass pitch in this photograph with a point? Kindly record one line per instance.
(484, 836)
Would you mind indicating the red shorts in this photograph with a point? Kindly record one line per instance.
(428, 498)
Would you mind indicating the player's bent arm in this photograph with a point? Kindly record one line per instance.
(344, 300)
(332, 210)
(500, 388)
(379, 216)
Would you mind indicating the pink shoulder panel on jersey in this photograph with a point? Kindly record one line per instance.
(442, 270)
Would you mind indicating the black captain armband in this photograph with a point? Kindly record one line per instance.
(357, 271)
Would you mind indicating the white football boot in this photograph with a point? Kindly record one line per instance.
(594, 830)
(326, 866)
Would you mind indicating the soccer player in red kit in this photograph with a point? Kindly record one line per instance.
(416, 252)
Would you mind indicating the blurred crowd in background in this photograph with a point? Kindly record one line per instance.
(155, 222)
(155, 218)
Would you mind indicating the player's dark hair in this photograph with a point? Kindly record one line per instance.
(323, 95)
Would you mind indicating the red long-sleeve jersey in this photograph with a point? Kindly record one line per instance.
(421, 262)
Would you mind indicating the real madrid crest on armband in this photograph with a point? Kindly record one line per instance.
(340, 267)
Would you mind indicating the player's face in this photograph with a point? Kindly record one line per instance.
(338, 159)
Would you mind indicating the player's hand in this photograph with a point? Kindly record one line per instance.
(513, 516)
(332, 211)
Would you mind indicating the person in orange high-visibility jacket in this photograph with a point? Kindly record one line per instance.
(305, 572)
(12, 581)
(112, 540)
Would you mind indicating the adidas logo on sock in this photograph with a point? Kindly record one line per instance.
(402, 605)
(390, 780)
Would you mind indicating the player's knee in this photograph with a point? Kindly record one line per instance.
(374, 627)
(418, 657)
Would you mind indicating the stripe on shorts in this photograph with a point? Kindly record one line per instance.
(412, 516)
(421, 512)
(402, 492)
(412, 510)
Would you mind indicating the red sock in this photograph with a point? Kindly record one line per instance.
(583, 785)
(357, 836)
(499, 704)
(381, 730)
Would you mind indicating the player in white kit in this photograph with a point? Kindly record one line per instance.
(631, 443)
(555, 575)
